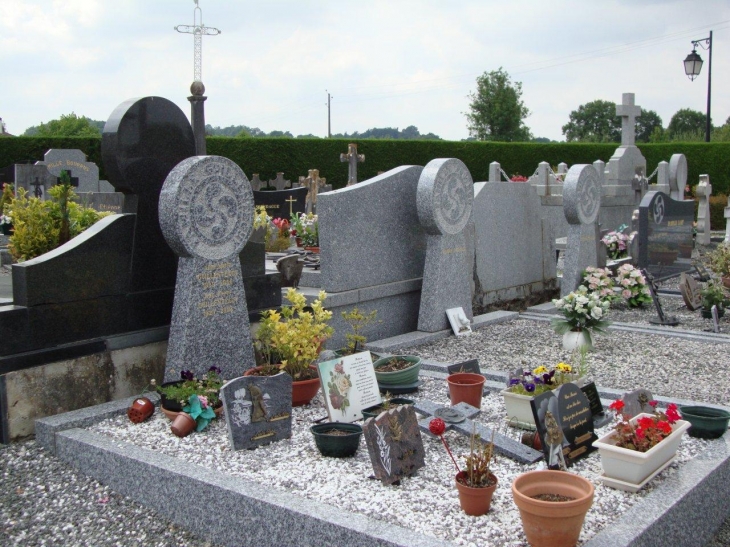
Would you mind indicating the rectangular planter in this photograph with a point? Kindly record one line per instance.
(634, 467)
(519, 410)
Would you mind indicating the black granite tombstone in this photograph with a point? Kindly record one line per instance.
(571, 410)
(665, 234)
(282, 203)
(472, 365)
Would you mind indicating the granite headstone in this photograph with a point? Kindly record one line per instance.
(257, 409)
(35, 179)
(444, 199)
(282, 203)
(206, 214)
(581, 203)
(472, 365)
(394, 444)
(637, 401)
(74, 161)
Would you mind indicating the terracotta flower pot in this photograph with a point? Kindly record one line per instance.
(171, 415)
(302, 391)
(552, 523)
(183, 425)
(466, 387)
(141, 409)
(475, 501)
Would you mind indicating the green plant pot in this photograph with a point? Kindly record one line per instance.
(374, 411)
(337, 446)
(399, 377)
(707, 422)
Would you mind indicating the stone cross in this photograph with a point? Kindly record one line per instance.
(353, 158)
(206, 215)
(313, 183)
(256, 183)
(503, 444)
(703, 191)
(198, 29)
(444, 200)
(628, 112)
(677, 176)
(279, 182)
(38, 188)
(581, 204)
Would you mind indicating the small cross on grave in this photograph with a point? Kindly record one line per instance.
(38, 188)
(352, 157)
(291, 201)
(279, 182)
(256, 183)
(628, 112)
(459, 417)
(73, 181)
(661, 319)
(313, 183)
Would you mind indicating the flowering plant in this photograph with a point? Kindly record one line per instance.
(207, 387)
(310, 230)
(5, 219)
(632, 286)
(282, 225)
(261, 219)
(291, 339)
(582, 311)
(339, 387)
(647, 431)
(600, 282)
(616, 243)
(518, 178)
(200, 410)
(539, 380)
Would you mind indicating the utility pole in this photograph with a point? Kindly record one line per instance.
(329, 119)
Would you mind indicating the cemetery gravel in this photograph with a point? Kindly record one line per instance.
(46, 502)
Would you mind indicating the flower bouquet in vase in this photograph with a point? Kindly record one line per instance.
(582, 312)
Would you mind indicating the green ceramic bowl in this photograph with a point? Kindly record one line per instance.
(399, 377)
(337, 446)
(374, 411)
(707, 422)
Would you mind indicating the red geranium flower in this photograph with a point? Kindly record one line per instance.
(618, 405)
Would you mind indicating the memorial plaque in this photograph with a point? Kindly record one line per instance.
(349, 385)
(594, 400)
(472, 365)
(637, 401)
(565, 424)
(690, 290)
(257, 410)
(394, 444)
(282, 203)
(665, 232)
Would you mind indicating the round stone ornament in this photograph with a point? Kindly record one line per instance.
(581, 195)
(445, 196)
(206, 208)
(678, 173)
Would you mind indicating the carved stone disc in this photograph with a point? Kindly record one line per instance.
(581, 195)
(445, 196)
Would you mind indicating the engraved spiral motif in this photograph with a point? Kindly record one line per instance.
(589, 198)
(446, 196)
(214, 213)
(658, 210)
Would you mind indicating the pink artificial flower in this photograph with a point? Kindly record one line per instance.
(203, 401)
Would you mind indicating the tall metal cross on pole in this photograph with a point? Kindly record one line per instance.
(198, 30)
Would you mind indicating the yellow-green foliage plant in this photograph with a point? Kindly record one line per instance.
(6, 197)
(38, 223)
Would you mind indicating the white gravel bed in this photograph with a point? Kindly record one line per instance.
(672, 306)
(427, 502)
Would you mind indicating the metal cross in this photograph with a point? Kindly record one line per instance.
(197, 30)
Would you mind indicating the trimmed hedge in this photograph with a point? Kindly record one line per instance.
(294, 157)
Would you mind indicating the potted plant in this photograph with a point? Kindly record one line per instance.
(397, 370)
(337, 440)
(582, 312)
(552, 505)
(617, 244)
(291, 340)
(632, 286)
(196, 414)
(476, 483)
(310, 233)
(638, 447)
(297, 228)
(599, 281)
(357, 321)
(176, 395)
(712, 295)
(522, 388)
(720, 262)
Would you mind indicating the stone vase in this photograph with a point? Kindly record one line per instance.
(576, 339)
(475, 501)
(634, 467)
(552, 523)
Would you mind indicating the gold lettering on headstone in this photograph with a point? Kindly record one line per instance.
(583, 438)
(214, 279)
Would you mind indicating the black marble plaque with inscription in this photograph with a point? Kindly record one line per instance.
(571, 409)
(472, 365)
(282, 203)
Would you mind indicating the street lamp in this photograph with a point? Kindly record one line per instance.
(692, 67)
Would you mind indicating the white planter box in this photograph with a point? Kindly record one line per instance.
(634, 467)
(519, 410)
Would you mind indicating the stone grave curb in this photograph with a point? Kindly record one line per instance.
(418, 337)
(265, 515)
(669, 514)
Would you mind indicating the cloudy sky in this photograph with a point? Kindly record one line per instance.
(387, 63)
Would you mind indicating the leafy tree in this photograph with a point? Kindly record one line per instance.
(497, 112)
(410, 132)
(597, 121)
(69, 125)
(686, 122)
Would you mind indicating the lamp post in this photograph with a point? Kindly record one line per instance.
(692, 67)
